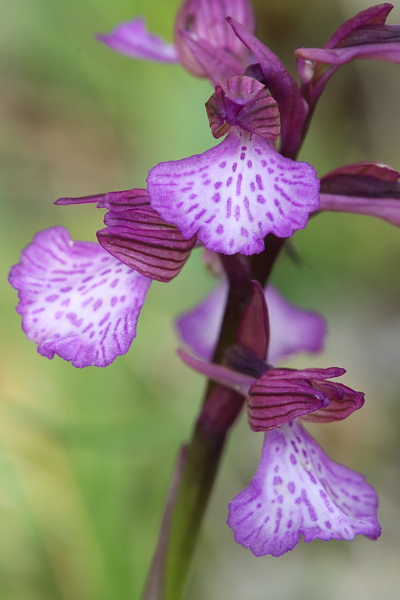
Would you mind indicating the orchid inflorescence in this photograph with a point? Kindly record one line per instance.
(240, 201)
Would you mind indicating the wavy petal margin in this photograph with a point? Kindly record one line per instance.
(76, 300)
(298, 490)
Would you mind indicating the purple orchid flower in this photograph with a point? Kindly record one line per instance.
(236, 193)
(204, 45)
(82, 301)
(297, 489)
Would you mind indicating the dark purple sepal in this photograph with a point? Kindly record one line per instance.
(272, 403)
(342, 402)
(318, 374)
(243, 101)
(201, 21)
(371, 189)
(143, 241)
(254, 326)
(82, 200)
(283, 87)
(125, 200)
(239, 382)
(364, 36)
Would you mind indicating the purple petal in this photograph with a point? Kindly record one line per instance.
(292, 329)
(343, 401)
(234, 194)
(76, 300)
(387, 209)
(238, 382)
(132, 39)
(272, 403)
(282, 86)
(298, 490)
(143, 241)
(201, 28)
(364, 188)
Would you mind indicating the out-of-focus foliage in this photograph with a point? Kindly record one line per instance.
(85, 456)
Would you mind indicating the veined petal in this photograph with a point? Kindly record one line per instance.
(273, 403)
(292, 329)
(132, 39)
(234, 194)
(298, 490)
(76, 300)
(343, 401)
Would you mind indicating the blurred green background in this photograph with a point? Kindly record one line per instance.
(86, 455)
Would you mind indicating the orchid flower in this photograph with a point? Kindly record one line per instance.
(297, 489)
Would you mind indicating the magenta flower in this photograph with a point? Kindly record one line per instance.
(298, 490)
(76, 300)
(236, 193)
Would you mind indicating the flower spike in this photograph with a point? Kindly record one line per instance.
(298, 490)
(76, 300)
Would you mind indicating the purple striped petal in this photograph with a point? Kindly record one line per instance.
(143, 241)
(132, 39)
(234, 194)
(292, 329)
(272, 403)
(298, 490)
(343, 401)
(76, 300)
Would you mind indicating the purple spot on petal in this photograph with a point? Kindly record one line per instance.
(234, 167)
(123, 298)
(216, 197)
(244, 232)
(242, 156)
(291, 487)
(51, 298)
(293, 459)
(229, 181)
(244, 147)
(222, 165)
(277, 480)
(328, 524)
(97, 304)
(259, 182)
(114, 301)
(249, 164)
(220, 229)
(239, 184)
(237, 212)
(217, 185)
(260, 199)
(114, 283)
